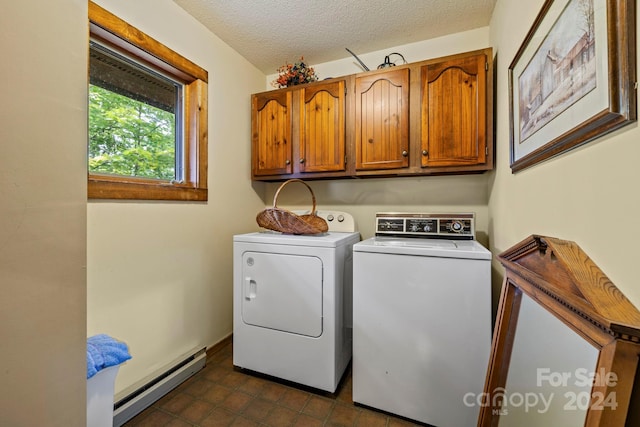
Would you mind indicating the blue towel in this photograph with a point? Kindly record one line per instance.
(104, 351)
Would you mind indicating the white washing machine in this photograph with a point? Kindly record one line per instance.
(292, 303)
(422, 318)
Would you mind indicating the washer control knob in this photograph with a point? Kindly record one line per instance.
(340, 218)
(329, 217)
(457, 226)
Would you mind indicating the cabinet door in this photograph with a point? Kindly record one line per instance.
(454, 112)
(382, 120)
(322, 131)
(271, 133)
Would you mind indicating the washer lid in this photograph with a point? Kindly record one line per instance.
(468, 249)
(330, 239)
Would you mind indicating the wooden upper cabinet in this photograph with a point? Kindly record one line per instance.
(271, 133)
(454, 112)
(382, 120)
(432, 117)
(322, 127)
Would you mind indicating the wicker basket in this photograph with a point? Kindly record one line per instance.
(285, 221)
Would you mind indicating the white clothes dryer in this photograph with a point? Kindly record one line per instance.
(292, 300)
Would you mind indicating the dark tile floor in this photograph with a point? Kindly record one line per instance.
(220, 395)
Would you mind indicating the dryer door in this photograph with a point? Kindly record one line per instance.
(282, 292)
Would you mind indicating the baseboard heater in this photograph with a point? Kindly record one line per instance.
(144, 396)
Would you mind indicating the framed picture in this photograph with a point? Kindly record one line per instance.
(573, 79)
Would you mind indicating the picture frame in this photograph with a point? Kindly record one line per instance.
(573, 79)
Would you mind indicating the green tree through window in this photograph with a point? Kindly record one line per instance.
(128, 137)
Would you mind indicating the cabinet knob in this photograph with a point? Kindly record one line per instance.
(425, 153)
(288, 162)
(405, 153)
(302, 160)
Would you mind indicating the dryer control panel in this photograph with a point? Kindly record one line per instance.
(336, 220)
(426, 225)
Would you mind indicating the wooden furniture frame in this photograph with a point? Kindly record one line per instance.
(561, 278)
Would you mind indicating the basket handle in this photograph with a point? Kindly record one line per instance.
(313, 196)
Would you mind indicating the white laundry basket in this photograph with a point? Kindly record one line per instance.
(104, 357)
(100, 392)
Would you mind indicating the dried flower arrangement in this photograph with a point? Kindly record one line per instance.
(294, 74)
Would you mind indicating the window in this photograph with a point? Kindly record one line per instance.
(135, 118)
(147, 116)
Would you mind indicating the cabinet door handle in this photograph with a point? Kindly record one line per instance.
(405, 153)
(288, 162)
(425, 153)
(302, 160)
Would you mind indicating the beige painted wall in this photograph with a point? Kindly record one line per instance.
(589, 195)
(43, 213)
(159, 274)
(165, 287)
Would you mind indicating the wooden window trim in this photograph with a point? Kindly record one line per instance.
(119, 35)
